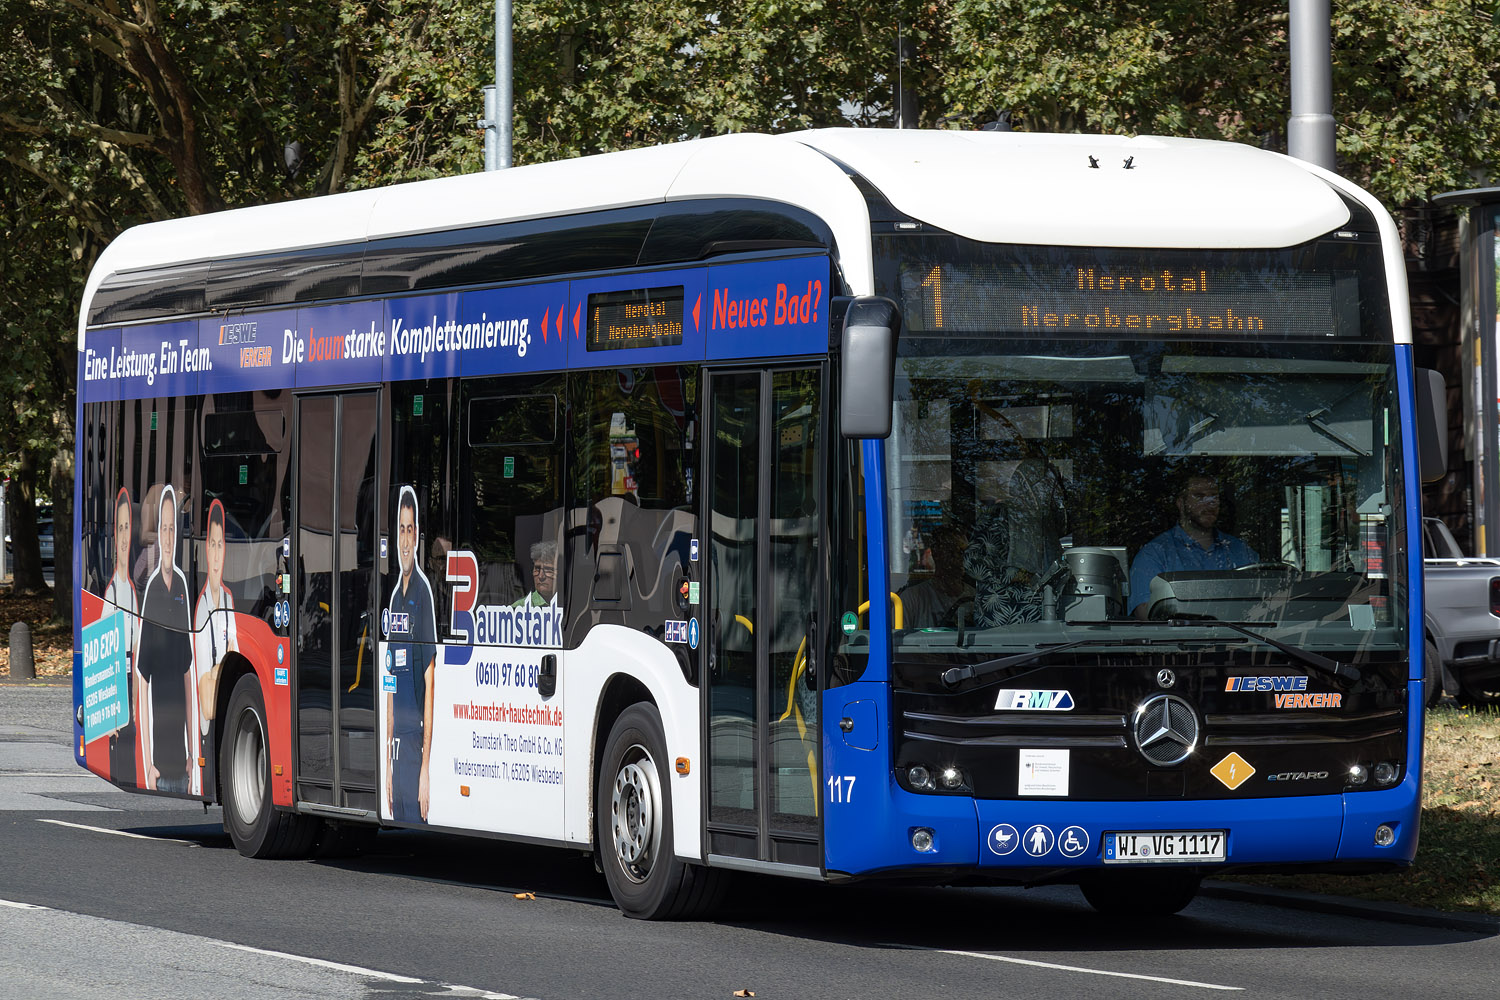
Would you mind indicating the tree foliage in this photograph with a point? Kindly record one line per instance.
(116, 112)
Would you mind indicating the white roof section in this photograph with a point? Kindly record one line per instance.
(1022, 187)
(744, 166)
(1010, 187)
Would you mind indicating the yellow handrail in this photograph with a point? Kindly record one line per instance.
(745, 622)
(897, 618)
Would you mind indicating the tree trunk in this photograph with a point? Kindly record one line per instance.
(21, 518)
(62, 532)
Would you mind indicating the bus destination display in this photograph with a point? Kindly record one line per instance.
(1131, 299)
(642, 317)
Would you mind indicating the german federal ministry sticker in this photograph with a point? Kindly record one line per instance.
(1233, 771)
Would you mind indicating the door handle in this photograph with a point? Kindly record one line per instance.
(546, 679)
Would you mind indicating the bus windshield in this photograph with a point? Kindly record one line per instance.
(1057, 484)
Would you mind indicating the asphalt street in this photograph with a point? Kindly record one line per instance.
(108, 893)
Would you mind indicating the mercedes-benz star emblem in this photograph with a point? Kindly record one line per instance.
(1165, 729)
(1165, 678)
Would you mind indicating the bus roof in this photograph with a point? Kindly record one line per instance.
(1015, 187)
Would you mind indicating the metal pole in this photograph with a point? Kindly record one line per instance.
(1310, 130)
(505, 97)
(490, 132)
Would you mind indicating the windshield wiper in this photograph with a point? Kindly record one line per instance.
(954, 676)
(1304, 656)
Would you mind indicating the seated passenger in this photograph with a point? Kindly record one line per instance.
(1192, 543)
(934, 602)
(543, 576)
(1014, 545)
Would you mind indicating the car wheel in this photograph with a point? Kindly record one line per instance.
(1434, 674)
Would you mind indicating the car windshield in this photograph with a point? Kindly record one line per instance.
(1097, 481)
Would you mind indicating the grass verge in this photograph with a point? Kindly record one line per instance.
(1458, 854)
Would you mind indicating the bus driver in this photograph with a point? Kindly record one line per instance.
(1192, 543)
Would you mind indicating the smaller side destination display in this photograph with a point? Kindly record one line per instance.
(642, 317)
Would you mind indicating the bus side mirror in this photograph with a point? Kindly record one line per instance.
(868, 373)
(1432, 425)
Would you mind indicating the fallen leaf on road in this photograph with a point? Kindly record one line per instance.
(526, 895)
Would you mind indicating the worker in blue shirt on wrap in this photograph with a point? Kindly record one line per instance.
(413, 659)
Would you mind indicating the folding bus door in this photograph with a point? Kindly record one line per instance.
(765, 544)
(334, 599)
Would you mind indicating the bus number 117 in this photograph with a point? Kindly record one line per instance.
(841, 788)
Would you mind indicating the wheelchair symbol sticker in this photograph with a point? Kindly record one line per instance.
(1073, 841)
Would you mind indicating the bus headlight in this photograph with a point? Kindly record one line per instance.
(1385, 773)
(1359, 774)
(922, 840)
(1385, 836)
(951, 777)
(920, 778)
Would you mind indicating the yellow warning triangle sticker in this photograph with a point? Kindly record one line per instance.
(1233, 771)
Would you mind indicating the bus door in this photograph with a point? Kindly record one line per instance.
(334, 598)
(764, 550)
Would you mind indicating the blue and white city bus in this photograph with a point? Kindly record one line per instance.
(848, 504)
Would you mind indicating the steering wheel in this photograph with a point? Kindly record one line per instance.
(1270, 564)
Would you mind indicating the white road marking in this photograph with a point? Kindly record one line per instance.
(1075, 968)
(117, 833)
(357, 970)
(12, 904)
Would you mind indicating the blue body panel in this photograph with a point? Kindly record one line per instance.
(758, 309)
(868, 822)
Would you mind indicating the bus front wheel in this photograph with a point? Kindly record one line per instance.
(1152, 894)
(633, 826)
(257, 828)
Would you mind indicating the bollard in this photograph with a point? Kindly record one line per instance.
(22, 666)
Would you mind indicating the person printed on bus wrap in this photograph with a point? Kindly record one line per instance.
(1194, 542)
(214, 629)
(543, 576)
(935, 601)
(1014, 545)
(412, 662)
(164, 660)
(120, 593)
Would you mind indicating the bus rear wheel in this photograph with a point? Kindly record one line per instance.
(1146, 894)
(633, 827)
(256, 827)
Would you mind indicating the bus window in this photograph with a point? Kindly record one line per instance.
(510, 494)
(633, 495)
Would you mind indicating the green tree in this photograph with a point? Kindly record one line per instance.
(1414, 85)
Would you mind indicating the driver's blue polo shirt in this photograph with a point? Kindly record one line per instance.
(1174, 549)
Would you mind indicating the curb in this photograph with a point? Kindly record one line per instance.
(1472, 923)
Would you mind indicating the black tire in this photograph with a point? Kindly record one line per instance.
(1433, 673)
(1147, 894)
(344, 840)
(258, 828)
(633, 827)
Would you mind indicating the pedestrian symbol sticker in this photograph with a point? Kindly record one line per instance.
(1038, 840)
